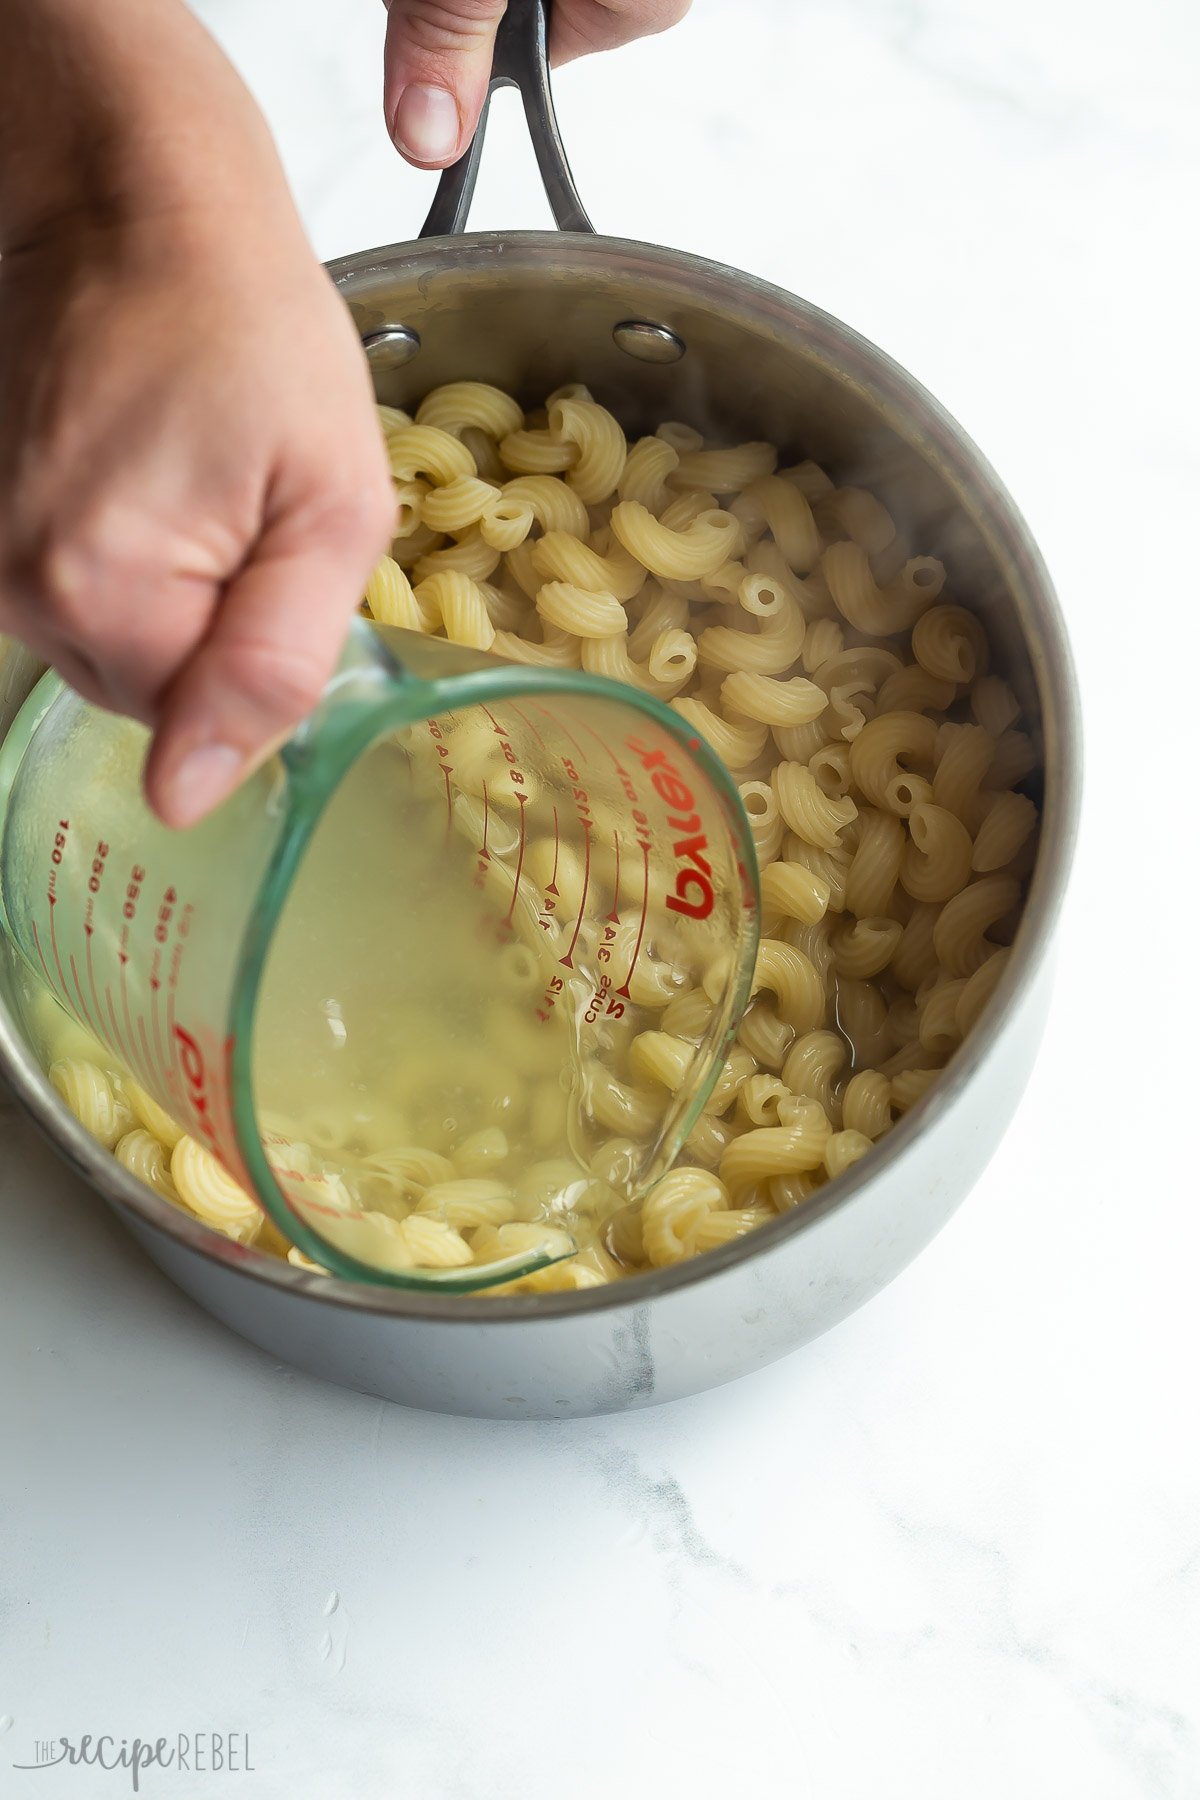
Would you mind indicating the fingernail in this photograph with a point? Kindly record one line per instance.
(203, 779)
(425, 124)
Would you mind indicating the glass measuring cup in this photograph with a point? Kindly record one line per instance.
(411, 956)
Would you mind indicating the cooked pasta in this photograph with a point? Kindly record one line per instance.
(1007, 824)
(771, 701)
(867, 1103)
(144, 1156)
(644, 476)
(424, 450)
(959, 935)
(461, 405)
(880, 762)
(211, 1193)
(807, 809)
(151, 1116)
(950, 643)
(675, 554)
(723, 471)
(795, 891)
(94, 1098)
(783, 509)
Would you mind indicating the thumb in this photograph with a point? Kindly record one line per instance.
(437, 59)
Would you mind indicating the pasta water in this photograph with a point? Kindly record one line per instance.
(395, 984)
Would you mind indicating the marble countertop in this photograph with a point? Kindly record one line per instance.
(952, 1549)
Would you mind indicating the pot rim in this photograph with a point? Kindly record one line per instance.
(929, 429)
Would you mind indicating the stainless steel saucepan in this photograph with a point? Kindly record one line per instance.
(658, 334)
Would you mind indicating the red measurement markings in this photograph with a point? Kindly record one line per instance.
(587, 870)
(516, 777)
(550, 897)
(114, 1042)
(618, 765)
(604, 949)
(56, 855)
(139, 1059)
(122, 959)
(134, 882)
(95, 1029)
(554, 988)
(520, 859)
(527, 723)
(483, 855)
(147, 1062)
(642, 826)
(57, 958)
(173, 1072)
(41, 953)
(122, 1050)
(583, 807)
(552, 887)
(95, 878)
(570, 737)
(603, 1002)
(447, 767)
(160, 1061)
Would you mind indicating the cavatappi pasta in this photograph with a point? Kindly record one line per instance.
(876, 749)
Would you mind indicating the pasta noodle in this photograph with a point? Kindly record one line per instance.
(207, 1190)
(784, 510)
(682, 554)
(958, 936)
(461, 405)
(770, 701)
(93, 1098)
(792, 626)
(600, 443)
(144, 1156)
(807, 809)
(644, 476)
(724, 471)
(867, 1103)
(1007, 823)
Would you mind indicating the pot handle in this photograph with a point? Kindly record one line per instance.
(520, 60)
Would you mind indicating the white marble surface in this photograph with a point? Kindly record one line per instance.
(954, 1548)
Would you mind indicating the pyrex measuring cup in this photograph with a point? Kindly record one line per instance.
(411, 957)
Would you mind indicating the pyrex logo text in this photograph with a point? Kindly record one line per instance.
(191, 1058)
(693, 881)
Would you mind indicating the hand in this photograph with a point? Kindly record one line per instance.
(193, 487)
(439, 52)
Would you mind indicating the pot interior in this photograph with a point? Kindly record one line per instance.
(531, 311)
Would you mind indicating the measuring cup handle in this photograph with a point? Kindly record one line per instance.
(520, 60)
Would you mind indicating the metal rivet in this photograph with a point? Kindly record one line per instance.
(391, 348)
(648, 343)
